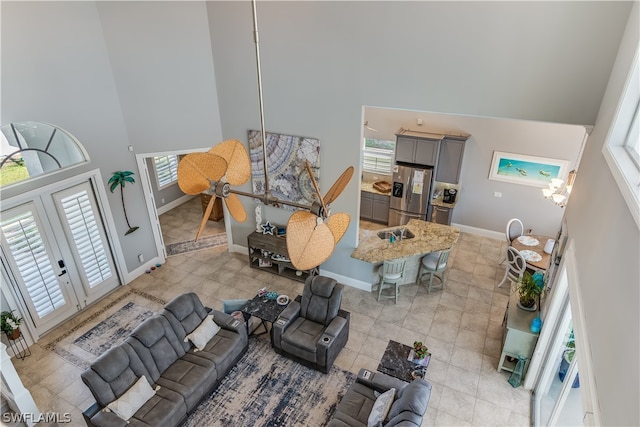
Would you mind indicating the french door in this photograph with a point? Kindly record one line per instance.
(56, 253)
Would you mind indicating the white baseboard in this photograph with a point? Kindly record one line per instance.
(132, 275)
(349, 281)
(239, 248)
(174, 204)
(479, 231)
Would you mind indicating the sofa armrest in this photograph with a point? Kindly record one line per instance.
(379, 381)
(283, 321)
(102, 418)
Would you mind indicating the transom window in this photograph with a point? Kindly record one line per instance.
(378, 155)
(31, 149)
(166, 169)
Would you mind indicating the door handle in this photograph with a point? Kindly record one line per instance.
(62, 273)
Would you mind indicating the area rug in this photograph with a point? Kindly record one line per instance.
(202, 243)
(266, 389)
(108, 331)
(113, 330)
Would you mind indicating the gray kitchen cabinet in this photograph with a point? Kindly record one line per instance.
(450, 160)
(421, 151)
(441, 215)
(381, 208)
(366, 205)
(374, 207)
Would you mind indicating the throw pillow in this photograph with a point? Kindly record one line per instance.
(231, 305)
(203, 333)
(133, 399)
(381, 408)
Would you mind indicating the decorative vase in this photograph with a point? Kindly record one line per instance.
(14, 335)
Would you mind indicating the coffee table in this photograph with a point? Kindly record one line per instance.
(264, 309)
(395, 362)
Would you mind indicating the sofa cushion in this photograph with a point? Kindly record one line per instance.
(321, 299)
(113, 373)
(356, 405)
(203, 333)
(381, 408)
(188, 309)
(301, 338)
(188, 377)
(224, 349)
(133, 399)
(413, 398)
(165, 408)
(157, 345)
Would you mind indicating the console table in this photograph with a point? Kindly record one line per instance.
(517, 338)
(263, 247)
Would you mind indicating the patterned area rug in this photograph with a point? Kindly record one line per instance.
(114, 330)
(266, 389)
(202, 243)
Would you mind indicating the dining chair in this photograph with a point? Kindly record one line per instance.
(432, 263)
(515, 229)
(516, 265)
(391, 272)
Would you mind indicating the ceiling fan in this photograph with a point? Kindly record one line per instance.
(312, 233)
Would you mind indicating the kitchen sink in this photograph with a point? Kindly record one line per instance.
(400, 233)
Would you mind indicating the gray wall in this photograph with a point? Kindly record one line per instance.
(323, 61)
(113, 74)
(607, 252)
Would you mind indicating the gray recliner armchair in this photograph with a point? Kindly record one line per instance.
(313, 329)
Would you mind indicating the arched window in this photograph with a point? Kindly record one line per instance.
(30, 149)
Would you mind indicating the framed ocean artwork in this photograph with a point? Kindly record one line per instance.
(527, 170)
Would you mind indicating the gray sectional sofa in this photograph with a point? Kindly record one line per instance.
(180, 375)
(408, 408)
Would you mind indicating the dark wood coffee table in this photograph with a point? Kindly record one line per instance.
(265, 310)
(395, 362)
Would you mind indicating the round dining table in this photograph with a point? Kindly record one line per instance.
(532, 249)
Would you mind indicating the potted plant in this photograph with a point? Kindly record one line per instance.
(420, 350)
(529, 289)
(9, 323)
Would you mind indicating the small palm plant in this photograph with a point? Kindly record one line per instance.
(120, 178)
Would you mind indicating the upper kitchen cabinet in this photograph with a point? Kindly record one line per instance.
(417, 147)
(450, 159)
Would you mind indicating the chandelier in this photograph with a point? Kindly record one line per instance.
(559, 191)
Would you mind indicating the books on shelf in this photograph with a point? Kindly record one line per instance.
(422, 362)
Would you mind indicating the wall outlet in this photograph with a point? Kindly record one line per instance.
(497, 194)
(419, 122)
(140, 257)
(162, 200)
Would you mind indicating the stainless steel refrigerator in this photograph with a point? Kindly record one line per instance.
(410, 194)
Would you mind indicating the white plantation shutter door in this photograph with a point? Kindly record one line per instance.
(87, 239)
(86, 236)
(33, 260)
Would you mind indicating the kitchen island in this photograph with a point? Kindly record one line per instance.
(429, 237)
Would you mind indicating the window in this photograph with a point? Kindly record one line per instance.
(621, 149)
(377, 155)
(31, 149)
(166, 169)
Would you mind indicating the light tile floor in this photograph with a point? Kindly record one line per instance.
(461, 325)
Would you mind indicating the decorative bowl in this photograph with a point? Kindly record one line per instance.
(282, 300)
(271, 296)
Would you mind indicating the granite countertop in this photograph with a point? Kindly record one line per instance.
(430, 237)
(367, 187)
(438, 202)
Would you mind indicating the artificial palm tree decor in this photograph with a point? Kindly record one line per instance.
(120, 178)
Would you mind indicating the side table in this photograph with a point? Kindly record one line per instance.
(265, 310)
(19, 347)
(395, 362)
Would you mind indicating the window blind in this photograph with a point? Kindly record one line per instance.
(166, 169)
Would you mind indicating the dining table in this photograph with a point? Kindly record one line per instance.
(531, 247)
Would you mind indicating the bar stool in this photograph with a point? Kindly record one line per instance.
(391, 272)
(432, 263)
